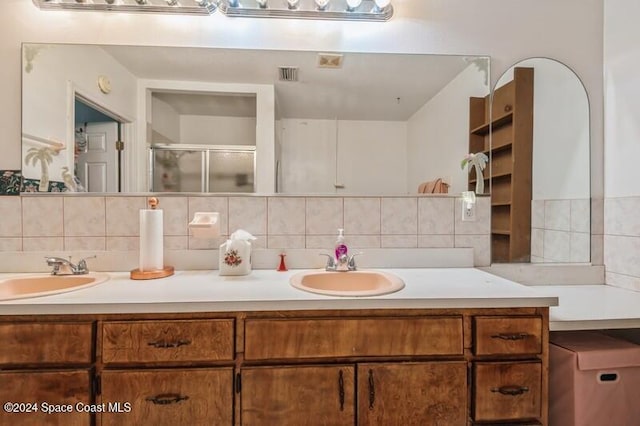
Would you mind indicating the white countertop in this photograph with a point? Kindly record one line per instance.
(263, 290)
(591, 307)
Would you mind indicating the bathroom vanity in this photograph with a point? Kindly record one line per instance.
(455, 347)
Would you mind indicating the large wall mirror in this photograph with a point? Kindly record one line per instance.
(250, 121)
(540, 165)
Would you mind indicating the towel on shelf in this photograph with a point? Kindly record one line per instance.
(437, 186)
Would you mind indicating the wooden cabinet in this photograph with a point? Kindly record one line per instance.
(168, 396)
(135, 342)
(503, 130)
(298, 395)
(420, 394)
(40, 393)
(325, 367)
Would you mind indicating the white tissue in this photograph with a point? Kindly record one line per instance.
(151, 244)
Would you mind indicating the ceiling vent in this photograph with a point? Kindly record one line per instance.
(288, 73)
(329, 60)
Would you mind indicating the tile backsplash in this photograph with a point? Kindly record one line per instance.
(111, 223)
(622, 242)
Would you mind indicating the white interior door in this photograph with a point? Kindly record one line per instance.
(97, 167)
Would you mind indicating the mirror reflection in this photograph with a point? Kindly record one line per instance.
(131, 119)
(540, 165)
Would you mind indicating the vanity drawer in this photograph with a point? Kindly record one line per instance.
(507, 391)
(190, 396)
(66, 343)
(167, 341)
(507, 335)
(352, 337)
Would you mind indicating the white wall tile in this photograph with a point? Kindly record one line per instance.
(621, 216)
(48, 244)
(85, 243)
(11, 214)
(324, 243)
(285, 241)
(622, 281)
(286, 216)
(123, 215)
(42, 217)
(481, 245)
(557, 214)
(580, 247)
(176, 242)
(248, 213)
(10, 244)
(324, 215)
(435, 241)
(123, 244)
(581, 216)
(399, 241)
(557, 246)
(84, 216)
(206, 243)
(399, 216)
(362, 216)
(359, 242)
(211, 204)
(537, 214)
(537, 243)
(435, 215)
(175, 212)
(622, 254)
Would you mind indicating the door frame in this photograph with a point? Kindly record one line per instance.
(127, 125)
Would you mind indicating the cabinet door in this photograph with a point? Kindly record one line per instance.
(426, 393)
(318, 395)
(56, 388)
(168, 397)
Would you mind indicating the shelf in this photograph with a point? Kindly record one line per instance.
(505, 204)
(501, 232)
(497, 122)
(496, 176)
(498, 148)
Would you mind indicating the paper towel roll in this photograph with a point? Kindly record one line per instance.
(151, 244)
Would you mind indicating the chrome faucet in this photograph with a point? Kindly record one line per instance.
(63, 266)
(342, 264)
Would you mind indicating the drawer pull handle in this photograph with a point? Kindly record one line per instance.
(167, 398)
(372, 390)
(341, 390)
(512, 336)
(511, 390)
(163, 344)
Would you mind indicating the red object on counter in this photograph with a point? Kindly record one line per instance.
(282, 267)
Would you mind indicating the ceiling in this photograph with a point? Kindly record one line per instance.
(367, 86)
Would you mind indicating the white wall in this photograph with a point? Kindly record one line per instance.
(371, 156)
(210, 130)
(438, 133)
(165, 120)
(507, 30)
(622, 149)
(48, 89)
(560, 131)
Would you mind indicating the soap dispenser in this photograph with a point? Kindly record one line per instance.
(341, 245)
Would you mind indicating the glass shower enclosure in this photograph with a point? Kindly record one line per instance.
(202, 168)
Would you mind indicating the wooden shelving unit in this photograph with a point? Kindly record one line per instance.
(504, 131)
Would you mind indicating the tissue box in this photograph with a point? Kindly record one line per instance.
(235, 258)
(594, 380)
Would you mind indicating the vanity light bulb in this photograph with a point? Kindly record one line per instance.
(322, 4)
(353, 4)
(293, 4)
(381, 4)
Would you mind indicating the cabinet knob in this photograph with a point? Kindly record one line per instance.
(163, 344)
(510, 336)
(511, 390)
(167, 398)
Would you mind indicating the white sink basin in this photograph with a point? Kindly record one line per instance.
(352, 283)
(45, 285)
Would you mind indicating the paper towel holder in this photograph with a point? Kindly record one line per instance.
(165, 271)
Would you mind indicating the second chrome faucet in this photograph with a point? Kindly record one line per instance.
(343, 263)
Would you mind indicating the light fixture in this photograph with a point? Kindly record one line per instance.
(352, 5)
(348, 10)
(190, 7)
